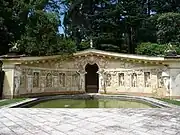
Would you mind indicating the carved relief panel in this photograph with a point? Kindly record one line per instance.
(134, 80)
(49, 80)
(147, 79)
(80, 63)
(35, 79)
(75, 80)
(62, 78)
(121, 79)
(160, 80)
(23, 79)
(108, 79)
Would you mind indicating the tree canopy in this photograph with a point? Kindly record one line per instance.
(113, 25)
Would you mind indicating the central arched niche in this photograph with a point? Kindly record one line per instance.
(91, 78)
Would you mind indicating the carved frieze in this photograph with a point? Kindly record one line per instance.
(80, 63)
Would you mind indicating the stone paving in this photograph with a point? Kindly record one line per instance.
(30, 121)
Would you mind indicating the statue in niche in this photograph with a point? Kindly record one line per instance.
(147, 79)
(160, 80)
(121, 79)
(16, 84)
(36, 79)
(49, 80)
(134, 80)
(166, 83)
(42, 83)
(75, 80)
(29, 84)
(62, 79)
(108, 80)
(22, 81)
(55, 82)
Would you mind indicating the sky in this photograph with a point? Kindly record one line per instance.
(61, 31)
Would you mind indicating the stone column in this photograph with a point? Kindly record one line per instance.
(8, 84)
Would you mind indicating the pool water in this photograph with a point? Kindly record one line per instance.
(91, 103)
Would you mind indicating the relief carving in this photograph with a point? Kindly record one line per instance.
(121, 79)
(42, 82)
(29, 71)
(108, 79)
(17, 79)
(177, 81)
(29, 83)
(134, 80)
(49, 80)
(62, 78)
(147, 79)
(80, 63)
(16, 84)
(55, 81)
(160, 80)
(35, 79)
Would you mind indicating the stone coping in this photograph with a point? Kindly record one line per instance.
(152, 101)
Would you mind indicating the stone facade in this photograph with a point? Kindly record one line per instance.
(117, 73)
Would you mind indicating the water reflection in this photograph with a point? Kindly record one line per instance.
(91, 103)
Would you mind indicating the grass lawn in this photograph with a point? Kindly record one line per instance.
(10, 101)
(175, 102)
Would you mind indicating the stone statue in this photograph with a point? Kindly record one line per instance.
(147, 79)
(121, 79)
(167, 83)
(170, 50)
(91, 43)
(16, 84)
(14, 47)
(134, 80)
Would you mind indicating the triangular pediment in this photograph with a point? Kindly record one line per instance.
(116, 55)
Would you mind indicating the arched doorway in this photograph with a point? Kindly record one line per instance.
(92, 78)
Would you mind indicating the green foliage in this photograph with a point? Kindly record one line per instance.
(11, 101)
(168, 25)
(33, 25)
(155, 49)
(112, 24)
(151, 49)
(65, 45)
(84, 45)
(119, 23)
(171, 101)
(40, 37)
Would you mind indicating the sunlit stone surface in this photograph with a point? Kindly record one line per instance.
(115, 73)
(30, 121)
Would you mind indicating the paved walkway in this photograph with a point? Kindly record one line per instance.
(29, 121)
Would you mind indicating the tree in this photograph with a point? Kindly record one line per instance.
(14, 18)
(41, 37)
(168, 28)
(107, 22)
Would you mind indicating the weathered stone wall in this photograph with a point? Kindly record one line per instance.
(115, 76)
(37, 79)
(133, 77)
